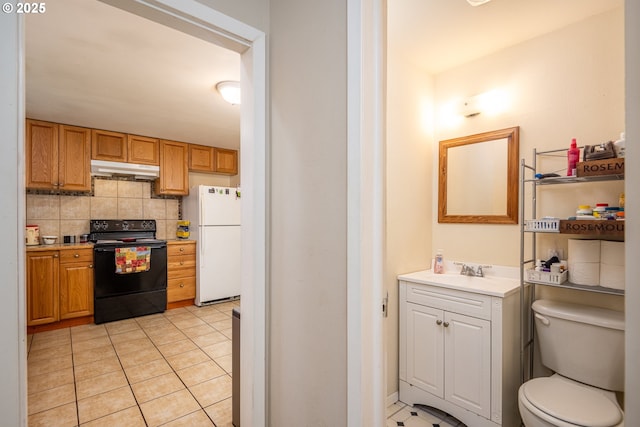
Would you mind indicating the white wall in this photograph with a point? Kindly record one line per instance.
(569, 83)
(13, 394)
(408, 189)
(632, 207)
(307, 348)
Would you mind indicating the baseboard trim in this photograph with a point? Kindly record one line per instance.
(392, 398)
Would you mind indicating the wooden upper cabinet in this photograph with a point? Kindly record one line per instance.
(41, 151)
(201, 158)
(57, 156)
(106, 145)
(143, 150)
(174, 168)
(74, 167)
(226, 161)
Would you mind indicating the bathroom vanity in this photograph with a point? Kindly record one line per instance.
(460, 347)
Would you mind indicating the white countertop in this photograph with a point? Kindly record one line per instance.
(498, 286)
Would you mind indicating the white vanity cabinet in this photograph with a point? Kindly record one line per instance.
(459, 346)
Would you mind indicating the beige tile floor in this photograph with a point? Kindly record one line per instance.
(170, 369)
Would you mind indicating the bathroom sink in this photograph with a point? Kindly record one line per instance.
(488, 285)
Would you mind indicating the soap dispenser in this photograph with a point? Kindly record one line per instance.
(438, 262)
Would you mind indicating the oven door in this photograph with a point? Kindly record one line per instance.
(122, 296)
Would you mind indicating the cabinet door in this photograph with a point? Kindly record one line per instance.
(143, 150)
(174, 173)
(110, 146)
(42, 287)
(41, 152)
(201, 158)
(75, 158)
(468, 362)
(425, 348)
(76, 290)
(226, 161)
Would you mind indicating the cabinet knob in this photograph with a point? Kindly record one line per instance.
(445, 324)
(438, 322)
(76, 255)
(182, 285)
(181, 262)
(90, 265)
(181, 249)
(55, 255)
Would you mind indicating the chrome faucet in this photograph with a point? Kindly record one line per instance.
(468, 270)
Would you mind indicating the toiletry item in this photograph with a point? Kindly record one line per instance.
(584, 210)
(573, 156)
(438, 262)
(600, 209)
(618, 146)
(621, 200)
(32, 235)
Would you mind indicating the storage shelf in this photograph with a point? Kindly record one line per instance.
(595, 227)
(575, 179)
(569, 285)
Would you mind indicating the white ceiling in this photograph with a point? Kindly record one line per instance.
(90, 64)
(441, 34)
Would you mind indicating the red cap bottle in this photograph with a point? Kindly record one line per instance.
(573, 156)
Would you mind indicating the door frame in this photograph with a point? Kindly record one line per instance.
(201, 21)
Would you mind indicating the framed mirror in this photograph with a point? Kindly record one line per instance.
(478, 178)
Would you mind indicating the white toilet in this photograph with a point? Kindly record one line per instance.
(584, 346)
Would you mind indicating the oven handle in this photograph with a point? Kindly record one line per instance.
(113, 248)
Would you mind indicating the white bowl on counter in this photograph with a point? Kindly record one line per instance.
(49, 240)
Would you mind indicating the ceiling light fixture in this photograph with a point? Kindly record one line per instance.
(477, 2)
(230, 91)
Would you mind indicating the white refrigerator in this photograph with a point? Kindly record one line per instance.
(214, 213)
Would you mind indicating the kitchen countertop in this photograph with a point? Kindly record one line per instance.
(59, 246)
(489, 285)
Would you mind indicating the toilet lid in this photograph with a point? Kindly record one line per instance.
(572, 403)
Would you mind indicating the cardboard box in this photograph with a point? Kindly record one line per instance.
(613, 166)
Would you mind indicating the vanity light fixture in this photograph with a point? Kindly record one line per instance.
(477, 2)
(230, 91)
(492, 102)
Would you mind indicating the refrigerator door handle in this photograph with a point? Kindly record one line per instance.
(203, 240)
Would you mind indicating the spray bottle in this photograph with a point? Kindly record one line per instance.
(438, 262)
(573, 156)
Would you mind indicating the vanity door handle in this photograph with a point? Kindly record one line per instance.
(445, 324)
(438, 322)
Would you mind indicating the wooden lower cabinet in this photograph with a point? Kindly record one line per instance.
(76, 283)
(181, 271)
(42, 287)
(59, 285)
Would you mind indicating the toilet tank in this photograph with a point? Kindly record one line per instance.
(581, 342)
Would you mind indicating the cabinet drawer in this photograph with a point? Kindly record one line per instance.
(182, 271)
(181, 289)
(181, 263)
(183, 249)
(76, 255)
(475, 305)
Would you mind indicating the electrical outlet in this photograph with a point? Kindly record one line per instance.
(555, 252)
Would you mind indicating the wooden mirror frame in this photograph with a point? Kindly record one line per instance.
(513, 143)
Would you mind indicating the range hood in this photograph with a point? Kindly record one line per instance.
(106, 168)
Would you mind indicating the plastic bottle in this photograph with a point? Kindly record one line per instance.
(438, 262)
(573, 156)
(618, 146)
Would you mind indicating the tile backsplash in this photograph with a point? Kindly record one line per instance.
(61, 215)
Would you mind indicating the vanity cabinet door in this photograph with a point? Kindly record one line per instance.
(468, 362)
(425, 348)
